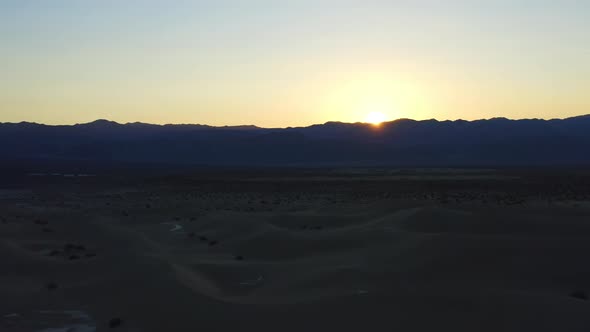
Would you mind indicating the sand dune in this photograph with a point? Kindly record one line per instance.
(178, 258)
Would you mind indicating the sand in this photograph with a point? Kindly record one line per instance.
(240, 251)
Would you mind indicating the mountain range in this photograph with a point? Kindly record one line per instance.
(403, 143)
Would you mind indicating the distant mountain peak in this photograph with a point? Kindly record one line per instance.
(241, 127)
(100, 123)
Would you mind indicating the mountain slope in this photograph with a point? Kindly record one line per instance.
(404, 142)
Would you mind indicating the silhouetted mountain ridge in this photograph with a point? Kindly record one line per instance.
(403, 142)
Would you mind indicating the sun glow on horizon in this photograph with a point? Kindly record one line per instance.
(374, 98)
(376, 118)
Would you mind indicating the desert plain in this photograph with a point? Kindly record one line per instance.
(295, 250)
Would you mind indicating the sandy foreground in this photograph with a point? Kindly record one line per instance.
(296, 252)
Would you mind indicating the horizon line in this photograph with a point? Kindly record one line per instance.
(288, 127)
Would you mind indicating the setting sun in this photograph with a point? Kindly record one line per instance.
(376, 118)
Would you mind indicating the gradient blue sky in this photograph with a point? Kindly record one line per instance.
(291, 63)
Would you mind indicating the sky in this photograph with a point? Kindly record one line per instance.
(291, 63)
